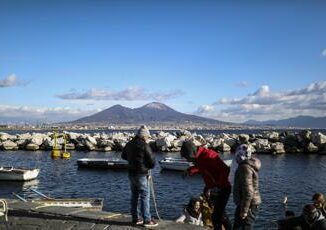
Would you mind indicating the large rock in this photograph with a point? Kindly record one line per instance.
(9, 145)
(6, 136)
(311, 148)
(244, 138)
(37, 139)
(319, 139)
(271, 136)
(91, 140)
(262, 146)
(32, 147)
(277, 148)
(224, 148)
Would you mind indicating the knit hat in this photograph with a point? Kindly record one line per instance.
(188, 149)
(143, 131)
(242, 153)
(310, 213)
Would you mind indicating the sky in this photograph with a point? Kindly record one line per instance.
(228, 60)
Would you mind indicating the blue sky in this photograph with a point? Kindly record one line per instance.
(61, 60)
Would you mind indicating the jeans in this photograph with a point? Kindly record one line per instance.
(220, 198)
(248, 222)
(140, 192)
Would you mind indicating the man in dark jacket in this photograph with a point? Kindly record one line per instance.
(246, 194)
(140, 160)
(215, 174)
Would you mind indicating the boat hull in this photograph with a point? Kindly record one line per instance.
(102, 163)
(18, 174)
(178, 164)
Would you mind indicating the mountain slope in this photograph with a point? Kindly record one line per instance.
(300, 121)
(151, 113)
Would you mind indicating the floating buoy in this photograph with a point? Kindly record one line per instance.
(55, 153)
(65, 154)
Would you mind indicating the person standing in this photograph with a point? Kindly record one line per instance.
(215, 174)
(140, 160)
(246, 194)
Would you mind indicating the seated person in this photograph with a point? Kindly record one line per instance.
(207, 208)
(192, 213)
(310, 219)
(319, 202)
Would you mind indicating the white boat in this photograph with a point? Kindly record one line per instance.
(180, 164)
(18, 174)
(103, 163)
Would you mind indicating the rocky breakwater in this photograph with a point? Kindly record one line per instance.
(269, 142)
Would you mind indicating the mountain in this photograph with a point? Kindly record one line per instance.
(152, 113)
(299, 122)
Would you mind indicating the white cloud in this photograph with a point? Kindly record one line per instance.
(264, 104)
(129, 94)
(27, 113)
(243, 84)
(205, 109)
(323, 53)
(9, 81)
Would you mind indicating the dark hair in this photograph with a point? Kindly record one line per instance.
(318, 195)
(191, 205)
(188, 149)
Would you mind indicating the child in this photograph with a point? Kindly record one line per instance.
(207, 208)
(192, 213)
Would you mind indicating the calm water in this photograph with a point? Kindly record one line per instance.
(298, 176)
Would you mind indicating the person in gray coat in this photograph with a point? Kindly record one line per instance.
(246, 194)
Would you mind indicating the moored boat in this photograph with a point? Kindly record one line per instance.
(103, 163)
(180, 164)
(18, 174)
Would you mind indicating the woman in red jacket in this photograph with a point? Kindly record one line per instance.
(215, 174)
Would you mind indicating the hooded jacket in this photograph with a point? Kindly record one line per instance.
(212, 168)
(139, 156)
(246, 184)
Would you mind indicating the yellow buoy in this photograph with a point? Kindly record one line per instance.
(55, 153)
(65, 154)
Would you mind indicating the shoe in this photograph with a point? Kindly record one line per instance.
(138, 222)
(150, 224)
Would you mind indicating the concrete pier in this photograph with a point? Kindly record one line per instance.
(32, 216)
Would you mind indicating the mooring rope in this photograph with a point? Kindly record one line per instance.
(153, 195)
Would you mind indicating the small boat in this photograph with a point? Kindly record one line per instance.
(18, 174)
(93, 204)
(102, 163)
(180, 164)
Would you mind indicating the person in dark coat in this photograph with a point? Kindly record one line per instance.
(310, 219)
(246, 194)
(140, 160)
(215, 174)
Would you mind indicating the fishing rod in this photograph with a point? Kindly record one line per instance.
(150, 180)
